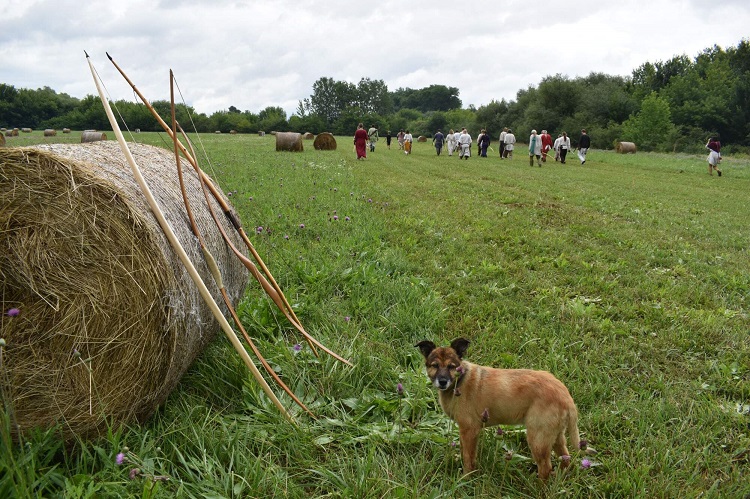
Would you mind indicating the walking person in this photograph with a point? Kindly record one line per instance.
(372, 134)
(464, 142)
(714, 155)
(360, 142)
(438, 140)
(483, 143)
(400, 139)
(509, 142)
(564, 146)
(451, 139)
(583, 146)
(388, 139)
(408, 140)
(535, 149)
(546, 144)
(556, 147)
(501, 142)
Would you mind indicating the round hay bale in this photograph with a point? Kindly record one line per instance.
(325, 142)
(217, 131)
(26, 130)
(92, 136)
(15, 132)
(289, 141)
(109, 319)
(261, 134)
(49, 132)
(67, 130)
(625, 148)
(233, 132)
(308, 136)
(2, 140)
(421, 138)
(3, 129)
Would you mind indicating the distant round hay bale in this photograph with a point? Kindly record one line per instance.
(233, 132)
(626, 147)
(49, 132)
(308, 136)
(261, 134)
(92, 136)
(3, 129)
(109, 318)
(67, 130)
(274, 132)
(217, 131)
(325, 142)
(421, 138)
(26, 130)
(289, 141)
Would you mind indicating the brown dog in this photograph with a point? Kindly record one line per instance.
(476, 396)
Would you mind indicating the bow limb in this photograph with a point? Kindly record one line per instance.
(180, 251)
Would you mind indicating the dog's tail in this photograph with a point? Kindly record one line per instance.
(575, 438)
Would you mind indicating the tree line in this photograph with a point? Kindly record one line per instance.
(669, 105)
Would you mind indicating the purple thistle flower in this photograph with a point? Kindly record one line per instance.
(301, 226)
(369, 200)
(400, 389)
(134, 473)
(583, 444)
(286, 237)
(250, 198)
(13, 312)
(565, 458)
(585, 464)
(509, 455)
(347, 218)
(485, 415)
(335, 217)
(119, 459)
(347, 318)
(453, 444)
(259, 229)
(297, 347)
(499, 432)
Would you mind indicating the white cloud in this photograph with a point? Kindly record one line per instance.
(252, 54)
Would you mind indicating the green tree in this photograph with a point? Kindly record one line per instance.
(651, 126)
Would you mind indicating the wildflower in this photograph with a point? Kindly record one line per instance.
(13, 312)
(500, 432)
(76, 353)
(583, 444)
(485, 415)
(301, 226)
(250, 198)
(453, 444)
(585, 464)
(297, 347)
(509, 455)
(119, 459)
(286, 237)
(259, 229)
(400, 389)
(134, 473)
(335, 217)
(347, 218)
(369, 200)
(565, 458)
(347, 318)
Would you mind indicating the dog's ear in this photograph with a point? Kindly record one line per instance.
(426, 347)
(460, 345)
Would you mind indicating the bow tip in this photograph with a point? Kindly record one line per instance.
(108, 56)
(87, 54)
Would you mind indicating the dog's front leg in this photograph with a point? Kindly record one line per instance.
(469, 439)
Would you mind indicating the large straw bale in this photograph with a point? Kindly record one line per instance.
(289, 141)
(109, 318)
(325, 142)
(92, 136)
(625, 147)
(50, 132)
(2, 140)
(67, 130)
(308, 136)
(421, 138)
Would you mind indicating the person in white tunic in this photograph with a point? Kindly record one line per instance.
(464, 142)
(501, 142)
(451, 142)
(510, 140)
(535, 149)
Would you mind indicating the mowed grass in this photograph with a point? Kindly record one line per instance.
(627, 278)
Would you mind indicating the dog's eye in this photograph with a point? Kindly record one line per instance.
(435, 365)
(451, 367)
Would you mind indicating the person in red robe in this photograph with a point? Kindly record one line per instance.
(360, 141)
(546, 144)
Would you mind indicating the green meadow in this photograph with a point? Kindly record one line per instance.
(628, 278)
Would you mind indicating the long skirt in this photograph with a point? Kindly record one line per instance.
(361, 149)
(407, 147)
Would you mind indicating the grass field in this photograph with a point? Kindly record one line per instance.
(628, 278)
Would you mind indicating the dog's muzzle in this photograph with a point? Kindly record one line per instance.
(443, 382)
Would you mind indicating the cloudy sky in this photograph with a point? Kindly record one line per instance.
(253, 54)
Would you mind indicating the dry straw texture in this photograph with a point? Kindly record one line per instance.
(625, 147)
(50, 132)
(109, 319)
(289, 141)
(421, 138)
(2, 140)
(309, 136)
(325, 142)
